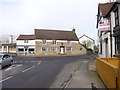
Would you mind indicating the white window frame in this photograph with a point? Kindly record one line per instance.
(52, 49)
(69, 42)
(44, 51)
(68, 50)
(43, 41)
(26, 41)
(54, 41)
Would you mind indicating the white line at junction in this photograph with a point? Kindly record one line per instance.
(6, 78)
(31, 67)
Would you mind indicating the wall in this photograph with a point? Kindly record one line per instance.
(107, 68)
(21, 42)
(75, 48)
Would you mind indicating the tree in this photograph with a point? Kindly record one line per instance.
(87, 44)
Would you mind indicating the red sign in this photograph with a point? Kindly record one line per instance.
(104, 27)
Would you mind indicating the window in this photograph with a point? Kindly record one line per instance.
(68, 49)
(25, 41)
(101, 22)
(53, 49)
(54, 42)
(20, 50)
(69, 42)
(31, 50)
(43, 41)
(116, 17)
(44, 49)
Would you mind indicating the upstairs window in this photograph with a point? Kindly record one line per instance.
(116, 17)
(43, 41)
(25, 41)
(69, 42)
(54, 42)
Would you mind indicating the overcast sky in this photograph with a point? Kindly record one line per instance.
(23, 16)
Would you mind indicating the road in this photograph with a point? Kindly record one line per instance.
(40, 72)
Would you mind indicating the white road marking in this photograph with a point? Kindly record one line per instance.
(13, 66)
(39, 62)
(6, 78)
(28, 69)
(31, 67)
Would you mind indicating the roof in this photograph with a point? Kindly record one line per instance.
(55, 35)
(113, 6)
(105, 7)
(26, 37)
(87, 37)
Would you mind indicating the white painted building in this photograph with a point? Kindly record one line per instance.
(90, 43)
(114, 16)
(105, 39)
(25, 44)
(8, 44)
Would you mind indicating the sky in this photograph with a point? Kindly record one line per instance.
(23, 16)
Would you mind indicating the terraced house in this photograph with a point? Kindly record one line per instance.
(50, 42)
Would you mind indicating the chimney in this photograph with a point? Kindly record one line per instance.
(73, 29)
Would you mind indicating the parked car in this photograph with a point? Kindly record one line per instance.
(5, 60)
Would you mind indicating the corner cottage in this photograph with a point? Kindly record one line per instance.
(50, 42)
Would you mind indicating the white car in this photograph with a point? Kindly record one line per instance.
(5, 60)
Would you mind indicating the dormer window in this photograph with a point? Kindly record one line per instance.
(25, 41)
(69, 42)
(54, 42)
(43, 41)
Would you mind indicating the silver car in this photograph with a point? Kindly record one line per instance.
(5, 60)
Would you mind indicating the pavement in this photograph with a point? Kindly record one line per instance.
(86, 76)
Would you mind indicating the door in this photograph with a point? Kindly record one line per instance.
(26, 51)
(62, 50)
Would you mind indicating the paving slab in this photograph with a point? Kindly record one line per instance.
(83, 77)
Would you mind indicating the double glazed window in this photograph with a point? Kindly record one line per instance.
(43, 41)
(25, 41)
(69, 42)
(44, 49)
(54, 42)
(68, 49)
(53, 49)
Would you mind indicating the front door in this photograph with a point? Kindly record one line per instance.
(62, 49)
(26, 51)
